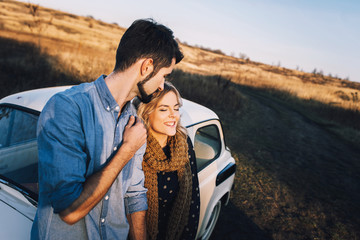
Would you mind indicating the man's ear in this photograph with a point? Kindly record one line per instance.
(147, 67)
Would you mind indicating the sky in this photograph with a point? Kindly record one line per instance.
(296, 34)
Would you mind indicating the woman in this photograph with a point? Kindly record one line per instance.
(170, 169)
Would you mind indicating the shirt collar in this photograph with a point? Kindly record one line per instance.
(108, 100)
(106, 97)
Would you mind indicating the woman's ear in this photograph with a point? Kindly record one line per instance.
(147, 67)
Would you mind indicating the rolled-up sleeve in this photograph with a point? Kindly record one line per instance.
(135, 197)
(62, 158)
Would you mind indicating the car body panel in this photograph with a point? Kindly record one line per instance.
(17, 214)
(195, 113)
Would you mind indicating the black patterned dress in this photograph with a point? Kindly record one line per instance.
(168, 188)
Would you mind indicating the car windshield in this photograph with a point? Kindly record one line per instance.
(18, 147)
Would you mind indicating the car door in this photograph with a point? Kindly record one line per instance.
(209, 149)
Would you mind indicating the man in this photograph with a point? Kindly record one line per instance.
(91, 144)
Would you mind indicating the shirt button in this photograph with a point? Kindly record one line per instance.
(108, 108)
(103, 220)
(115, 148)
(117, 108)
(106, 197)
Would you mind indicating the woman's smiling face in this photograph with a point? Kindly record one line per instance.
(164, 119)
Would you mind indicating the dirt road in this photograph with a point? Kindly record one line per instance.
(317, 172)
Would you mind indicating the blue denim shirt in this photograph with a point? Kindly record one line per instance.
(78, 132)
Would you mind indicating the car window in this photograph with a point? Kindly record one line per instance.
(18, 147)
(207, 145)
(4, 125)
(16, 126)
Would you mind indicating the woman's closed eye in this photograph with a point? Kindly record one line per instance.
(165, 109)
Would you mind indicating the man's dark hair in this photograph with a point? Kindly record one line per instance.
(147, 39)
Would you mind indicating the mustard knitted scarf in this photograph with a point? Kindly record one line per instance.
(154, 161)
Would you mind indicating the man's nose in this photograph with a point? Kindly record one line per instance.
(161, 87)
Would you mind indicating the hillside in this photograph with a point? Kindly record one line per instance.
(295, 135)
(85, 36)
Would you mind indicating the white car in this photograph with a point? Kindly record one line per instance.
(18, 161)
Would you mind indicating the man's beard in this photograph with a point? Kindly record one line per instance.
(144, 97)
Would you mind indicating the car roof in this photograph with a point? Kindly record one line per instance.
(191, 113)
(33, 99)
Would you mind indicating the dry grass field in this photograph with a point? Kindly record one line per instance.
(89, 45)
(295, 135)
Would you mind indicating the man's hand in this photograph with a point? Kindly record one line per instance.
(134, 135)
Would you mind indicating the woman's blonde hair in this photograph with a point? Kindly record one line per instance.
(145, 109)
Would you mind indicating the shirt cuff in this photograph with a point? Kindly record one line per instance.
(136, 203)
(65, 197)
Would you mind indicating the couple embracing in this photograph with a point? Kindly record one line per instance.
(110, 171)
